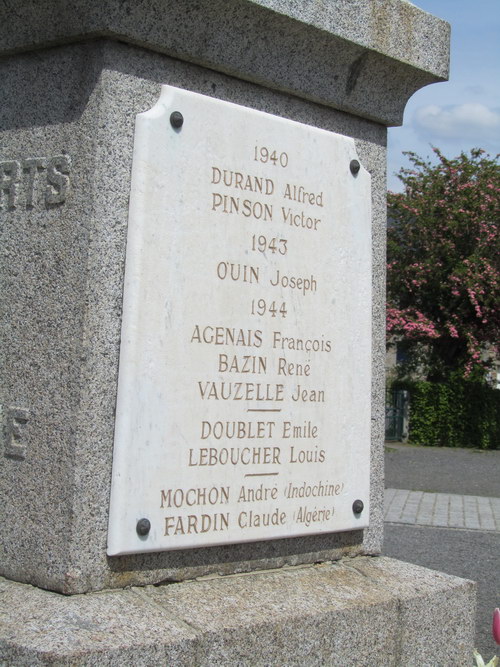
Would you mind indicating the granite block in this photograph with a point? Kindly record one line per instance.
(39, 628)
(366, 57)
(63, 280)
(74, 77)
(355, 612)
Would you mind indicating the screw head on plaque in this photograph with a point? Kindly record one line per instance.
(176, 119)
(143, 527)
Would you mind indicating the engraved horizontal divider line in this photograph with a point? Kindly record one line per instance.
(261, 474)
(444, 510)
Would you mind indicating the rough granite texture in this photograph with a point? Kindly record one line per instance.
(74, 106)
(62, 284)
(363, 56)
(74, 75)
(361, 611)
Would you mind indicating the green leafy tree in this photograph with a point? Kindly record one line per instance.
(444, 264)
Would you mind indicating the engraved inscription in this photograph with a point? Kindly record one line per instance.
(15, 421)
(34, 181)
(10, 176)
(243, 409)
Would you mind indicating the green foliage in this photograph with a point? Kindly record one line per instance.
(443, 268)
(458, 413)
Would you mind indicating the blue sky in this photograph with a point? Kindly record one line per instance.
(464, 112)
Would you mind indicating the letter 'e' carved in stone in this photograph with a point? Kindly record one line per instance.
(15, 421)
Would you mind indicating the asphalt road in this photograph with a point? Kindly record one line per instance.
(469, 472)
(471, 554)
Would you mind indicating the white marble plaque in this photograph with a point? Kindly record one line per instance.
(243, 408)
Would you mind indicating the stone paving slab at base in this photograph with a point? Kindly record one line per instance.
(442, 509)
(358, 611)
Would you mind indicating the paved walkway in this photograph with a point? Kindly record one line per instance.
(448, 510)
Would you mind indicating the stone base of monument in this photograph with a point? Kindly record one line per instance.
(358, 611)
(193, 218)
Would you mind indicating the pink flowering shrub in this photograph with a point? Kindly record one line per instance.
(443, 263)
(496, 625)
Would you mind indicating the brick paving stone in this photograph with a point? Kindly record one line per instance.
(427, 509)
(442, 510)
(495, 508)
(456, 517)
(389, 494)
(486, 518)
(471, 512)
(440, 517)
(410, 510)
(396, 505)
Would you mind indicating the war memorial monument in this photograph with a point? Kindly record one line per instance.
(192, 207)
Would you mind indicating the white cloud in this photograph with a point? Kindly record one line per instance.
(471, 121)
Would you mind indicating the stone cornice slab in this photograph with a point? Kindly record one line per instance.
(365, 57)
